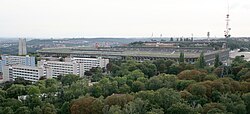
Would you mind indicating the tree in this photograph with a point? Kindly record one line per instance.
(14, 104)
(109, 67)
(138, 86)
(183, 84)
(182, 58)
(8, 110)
(23, 110)
(217, 61)
(137, 106)
(135, 75)
(238, 61)
(3, 93)
(108, 87)
(155, 111)
(210, 77)
(162, 80)
(69, 79)
(76, 89)
(192, 75)
(246, 98)
(65, 108)
(180, 108)
(154, 83)
(197, 89)
(166, 97)
(33, 90)
(148, 68)
(163, 97)
(95, 74)
(96, 77)
(96, 90)
(118, 99)
(82, 105)
(20, 80)
(163, 66)
(16, 90)
(201, 61)
(160, 65)
(49, 109)
(37, 110)
(50, 82)
(33, 101)
(124, 89)
(233, 103)
(213, 108)
(97, 106)
(115, 109)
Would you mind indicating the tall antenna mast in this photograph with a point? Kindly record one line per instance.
(227, 31)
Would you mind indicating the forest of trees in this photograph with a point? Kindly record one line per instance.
(130, 87)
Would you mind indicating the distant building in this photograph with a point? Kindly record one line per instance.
(51, 69)
(17, 60)
(29, 73)
(76, 66)
(22, 49)
(56, 68)
(90, 62)
(140, 53)
(159, 44)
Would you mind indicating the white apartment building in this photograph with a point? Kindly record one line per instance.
(29, 73)
(90, 62)
(17, 60)
(56, 68)
(52, 69)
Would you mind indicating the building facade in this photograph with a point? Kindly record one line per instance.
(22, 48)
(29, 73)
(51, 69)
(90, 62)
(17, 60)
(140, 53)
(56, 68)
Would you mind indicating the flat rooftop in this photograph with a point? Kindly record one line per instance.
(88, 51)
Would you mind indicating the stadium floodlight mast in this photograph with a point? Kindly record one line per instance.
(228, 29)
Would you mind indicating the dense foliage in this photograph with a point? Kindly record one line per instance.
(130, 87)
(238, 44)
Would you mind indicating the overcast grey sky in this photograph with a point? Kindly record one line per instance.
(121, 18)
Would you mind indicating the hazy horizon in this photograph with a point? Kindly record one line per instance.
(121, 18)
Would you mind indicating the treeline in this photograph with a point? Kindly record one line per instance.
(130, 87)
(236, 44)
(13, 50)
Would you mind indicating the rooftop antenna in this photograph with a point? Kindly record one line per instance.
(227, 31)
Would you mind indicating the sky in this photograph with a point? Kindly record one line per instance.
(122, 18)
